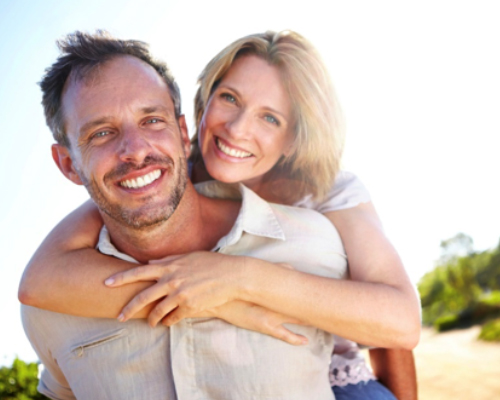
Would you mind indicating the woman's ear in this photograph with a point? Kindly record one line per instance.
(62, 158)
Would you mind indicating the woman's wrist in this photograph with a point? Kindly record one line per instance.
(246, 272)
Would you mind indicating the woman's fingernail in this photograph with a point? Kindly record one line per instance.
(121, 317)
(109, 281)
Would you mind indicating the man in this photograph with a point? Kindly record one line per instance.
(116, 116)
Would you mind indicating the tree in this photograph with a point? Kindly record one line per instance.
(460, 245)
(464, 287)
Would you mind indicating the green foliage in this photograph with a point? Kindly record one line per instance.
(464, 288)
(449, 289)
(19, 382)
(492, 298)
(491, 331)
(488, 269)
(446, 323)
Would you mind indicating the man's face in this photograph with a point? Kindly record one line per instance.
(127, 146)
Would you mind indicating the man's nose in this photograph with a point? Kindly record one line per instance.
(134, 145)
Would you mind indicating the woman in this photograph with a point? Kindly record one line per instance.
(266, 116)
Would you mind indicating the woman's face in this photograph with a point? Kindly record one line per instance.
(247, 123)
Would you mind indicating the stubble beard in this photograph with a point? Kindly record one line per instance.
(143, 218)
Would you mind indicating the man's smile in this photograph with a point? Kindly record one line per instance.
(141, 181)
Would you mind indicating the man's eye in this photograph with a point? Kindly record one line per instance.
(100, 134)
(228, 97)
(153, 121)
(271, 119)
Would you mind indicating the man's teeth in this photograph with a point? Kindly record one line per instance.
(232, 152)
(142, 180)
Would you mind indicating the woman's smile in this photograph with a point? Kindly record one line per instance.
(229, 150)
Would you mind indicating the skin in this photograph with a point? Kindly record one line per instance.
(396, 370)
(192, 291)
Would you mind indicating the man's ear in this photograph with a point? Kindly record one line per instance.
(61, 157)
(186, 142)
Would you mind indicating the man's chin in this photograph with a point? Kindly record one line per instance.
(140, 219)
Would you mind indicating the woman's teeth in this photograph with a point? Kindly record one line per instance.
(232, 152)
(142, 180)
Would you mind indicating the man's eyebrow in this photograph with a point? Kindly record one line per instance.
(91, 124)
(144, 110)
(153, 109)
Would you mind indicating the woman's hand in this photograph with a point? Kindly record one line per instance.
(186, 285)
(255, 318)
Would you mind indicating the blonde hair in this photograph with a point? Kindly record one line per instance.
(314, 160)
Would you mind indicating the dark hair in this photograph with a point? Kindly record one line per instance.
(80, 54)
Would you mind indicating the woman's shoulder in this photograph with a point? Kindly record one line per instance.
(347, 191)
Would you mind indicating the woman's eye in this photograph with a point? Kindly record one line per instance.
(271, 120)
(228, 97)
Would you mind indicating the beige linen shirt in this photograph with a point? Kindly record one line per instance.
(199, 358)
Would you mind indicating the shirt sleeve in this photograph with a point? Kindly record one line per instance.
(346, 192)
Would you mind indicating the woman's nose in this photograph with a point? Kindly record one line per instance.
(239, 125)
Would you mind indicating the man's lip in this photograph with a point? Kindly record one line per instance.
(231, 146)
(139, 173)
(140, 179)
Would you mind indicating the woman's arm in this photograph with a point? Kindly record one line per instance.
(395, 369)
(66, 273)
(379, 307)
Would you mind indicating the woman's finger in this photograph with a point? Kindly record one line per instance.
(137, 274)
(142, 299)
(282, 333)
(163, 311)
(175, 316)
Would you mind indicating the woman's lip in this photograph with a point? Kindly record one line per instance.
(230, 150)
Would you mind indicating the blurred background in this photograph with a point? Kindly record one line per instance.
(419, 84)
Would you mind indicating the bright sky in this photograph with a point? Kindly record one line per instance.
(419, 83)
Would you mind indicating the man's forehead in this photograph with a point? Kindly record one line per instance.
(122, 79)
(112, 91)
(115, 68)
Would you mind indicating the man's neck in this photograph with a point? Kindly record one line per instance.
(197, 224)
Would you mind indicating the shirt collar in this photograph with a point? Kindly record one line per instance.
(106, 247)
(256, 217)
